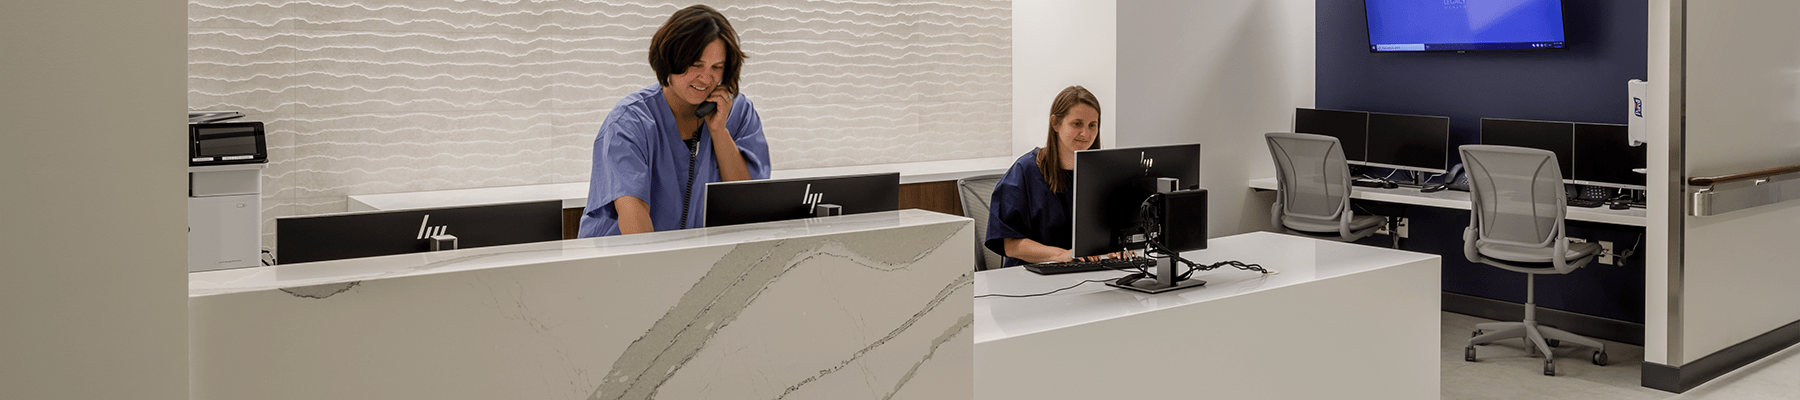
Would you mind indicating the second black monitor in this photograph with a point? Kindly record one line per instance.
(1588, 154)
(1409, 142)
(1111, 186)
(1604, 157)
(1557, 137)
(1351, 128)
(744, 202)
(379, 233)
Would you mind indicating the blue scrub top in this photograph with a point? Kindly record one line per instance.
(639, 153)
(1024, 207)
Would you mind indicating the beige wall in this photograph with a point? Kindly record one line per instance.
(1218, 73)
(389, 96)
(1742, 114)
(93, 249)
(1062, 43)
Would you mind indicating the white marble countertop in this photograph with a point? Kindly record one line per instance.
(359, 269)
(1460, 200)
(574, 194)
(1297, 259)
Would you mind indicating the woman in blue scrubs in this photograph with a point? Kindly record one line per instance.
(1031, 215)
(654, 155)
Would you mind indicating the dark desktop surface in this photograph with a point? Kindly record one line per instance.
(379, 233)
(752, 201)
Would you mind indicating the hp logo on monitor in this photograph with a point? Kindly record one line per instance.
(426, 231)
(810, 199)
(1142, 159)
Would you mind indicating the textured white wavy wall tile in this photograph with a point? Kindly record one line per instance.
(378, 96)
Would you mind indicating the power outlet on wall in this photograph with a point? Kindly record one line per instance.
(1401, 227)
(1606, 251)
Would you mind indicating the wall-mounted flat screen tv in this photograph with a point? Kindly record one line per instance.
(1464, 25)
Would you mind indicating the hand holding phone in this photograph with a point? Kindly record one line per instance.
(705, 109)
(719, 98)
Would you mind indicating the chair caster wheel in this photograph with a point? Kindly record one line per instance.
(1553, 343)
(1549, 368)
(1600, 358)
(1469, 354)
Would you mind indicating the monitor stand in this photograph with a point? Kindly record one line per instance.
(1165, 280)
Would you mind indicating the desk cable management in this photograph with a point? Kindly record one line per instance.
(1148, 215)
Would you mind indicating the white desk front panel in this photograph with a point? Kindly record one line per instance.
(1339, 319)
(867, 306)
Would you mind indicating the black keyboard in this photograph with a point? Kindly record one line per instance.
(1366, 183)
(1087, 266)
(1586, 203)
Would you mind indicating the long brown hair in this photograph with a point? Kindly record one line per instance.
(679, 42)
(1048, 160)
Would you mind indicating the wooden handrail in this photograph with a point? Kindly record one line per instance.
(1714, 180)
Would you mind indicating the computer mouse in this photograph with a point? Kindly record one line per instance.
(1619, 205)
(1389, 185)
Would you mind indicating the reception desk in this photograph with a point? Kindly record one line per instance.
(867, 306)
(1339, 320)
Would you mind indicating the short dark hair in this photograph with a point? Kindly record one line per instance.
(681, 40)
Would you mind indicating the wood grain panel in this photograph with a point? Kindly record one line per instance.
(571, 222)
(931, 196)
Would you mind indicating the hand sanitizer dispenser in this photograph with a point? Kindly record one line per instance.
(1636, 126)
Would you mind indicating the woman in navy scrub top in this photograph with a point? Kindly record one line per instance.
(1030, 218)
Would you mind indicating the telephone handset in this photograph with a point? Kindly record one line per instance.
(1457, 180)
(706, 109)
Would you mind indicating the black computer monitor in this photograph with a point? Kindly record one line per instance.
(1351, 128)
(752, 201)
(1111, 185)
(1409, 142)
(1604, 156)
(379, 233)
(1557, 137)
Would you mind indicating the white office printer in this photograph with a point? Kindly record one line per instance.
(225, 193)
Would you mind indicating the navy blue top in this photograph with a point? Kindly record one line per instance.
(1024, 207)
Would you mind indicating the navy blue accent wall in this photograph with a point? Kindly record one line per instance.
(1607, 45)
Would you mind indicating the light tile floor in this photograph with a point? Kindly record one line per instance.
(1505, 371)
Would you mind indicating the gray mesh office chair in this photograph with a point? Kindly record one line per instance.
(976, 192)
(1314, 195)
(1516, 224)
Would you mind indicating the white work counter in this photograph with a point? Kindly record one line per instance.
(1460, 200)
(574, 194)
(1338, 319)
(864, 306)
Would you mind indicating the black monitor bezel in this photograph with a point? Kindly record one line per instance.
(287, 240)
(1361, 144)
(879, 192)
(1583, 157)
(1102, 176)
(1440, 167)
(1565, 156)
